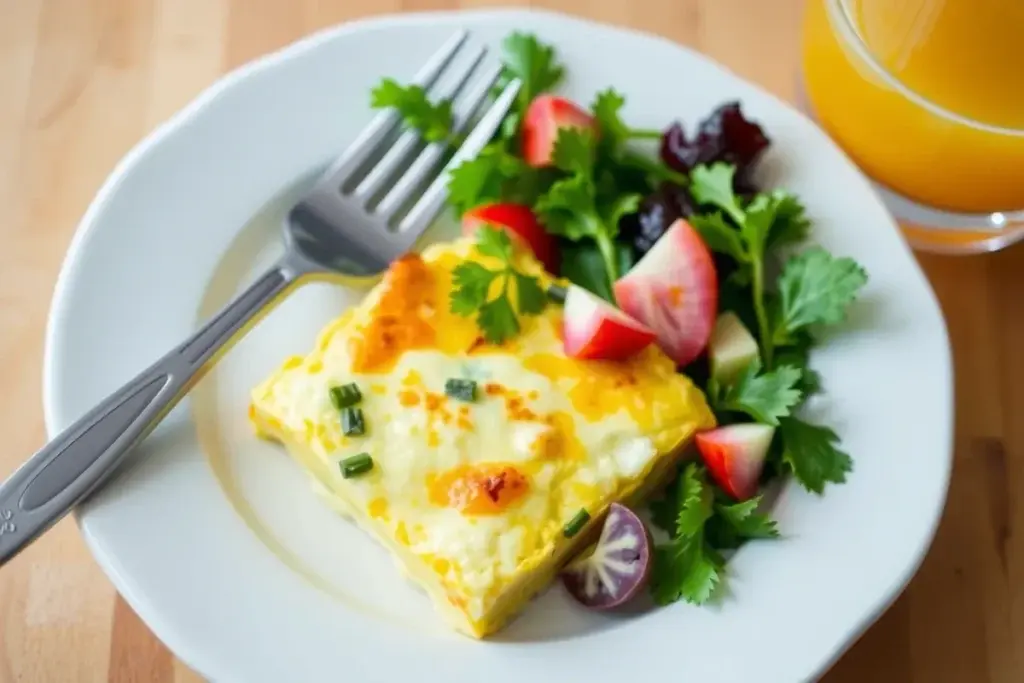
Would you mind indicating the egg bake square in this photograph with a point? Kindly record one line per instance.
(481, 492)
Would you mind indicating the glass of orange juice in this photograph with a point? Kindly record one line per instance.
(927, 97)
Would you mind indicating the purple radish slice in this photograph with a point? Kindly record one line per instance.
(617, 568)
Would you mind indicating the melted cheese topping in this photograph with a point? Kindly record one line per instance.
(472, 497)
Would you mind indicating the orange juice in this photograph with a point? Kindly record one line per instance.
(927, 96)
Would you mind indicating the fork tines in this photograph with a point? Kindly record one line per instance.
(400, 172)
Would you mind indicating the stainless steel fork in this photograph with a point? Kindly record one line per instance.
(337, 227)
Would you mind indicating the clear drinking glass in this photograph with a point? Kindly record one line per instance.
(927, 97)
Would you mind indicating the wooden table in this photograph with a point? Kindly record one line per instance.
(83, 80)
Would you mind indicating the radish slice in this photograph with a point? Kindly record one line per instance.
(617, 568)
(735, 456)
(593, 328)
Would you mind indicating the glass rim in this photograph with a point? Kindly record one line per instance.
(844, 22)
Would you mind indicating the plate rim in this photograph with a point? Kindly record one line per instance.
(232, 79)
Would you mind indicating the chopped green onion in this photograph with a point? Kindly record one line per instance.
(345, 396)
(557, 294)
(356, 465)
(576, 523)
(352, 422)
(461, 389)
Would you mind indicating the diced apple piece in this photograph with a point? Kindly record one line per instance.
(731, 348)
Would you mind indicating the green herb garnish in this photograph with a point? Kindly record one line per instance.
(473, 284)
(461, 389)
(356, 465)
(345, 396)
(433, 120)
(576, 524)
(352, 423)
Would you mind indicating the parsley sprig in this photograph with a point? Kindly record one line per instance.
(433, 120)
(474, 284)
(700, 522)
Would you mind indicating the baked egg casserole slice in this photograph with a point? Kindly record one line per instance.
(481, 467)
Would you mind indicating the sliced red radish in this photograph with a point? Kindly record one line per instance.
(544, 117)
(617, 567)
(593, 328)
(521, 224)
(673, 290)
(735, 456)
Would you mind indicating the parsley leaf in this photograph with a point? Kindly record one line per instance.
(810, 452)
(606, 107)
(815, 288)
(765, 396)
(791, 224)
(575, 151)
(735, 523)
(712, 185)
(494, 175)
(533, 62)
(719, 235)
(473, 283)
(685, 568)
(432, 120)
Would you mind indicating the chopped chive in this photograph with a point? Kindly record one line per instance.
(461, 389)
(345, 396)
(557, 294)
(356, 465)
(576, 523)
(352, 422)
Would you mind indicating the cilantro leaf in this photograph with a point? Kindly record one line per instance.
(497, 320)
(606, 107)
(791, 224)
(432, 120)
(495, 243)
(494, 175)
(811, 453)
(473, 283)
(719, 235)
(712, 185)
(582, 264)
(765, 396)
(568, 210)
(695, 501)
(533, 62)
(735, 523)
(684, 569)
(530, 296)
(574, 150)
(815, 288)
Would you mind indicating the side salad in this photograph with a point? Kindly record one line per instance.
(679, 248)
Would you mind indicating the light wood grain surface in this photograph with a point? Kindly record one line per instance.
(82, 80)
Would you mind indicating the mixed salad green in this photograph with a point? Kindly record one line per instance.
(602, 205)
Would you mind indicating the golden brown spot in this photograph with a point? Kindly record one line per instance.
(412, 379)
(408, 398)
(441, 566)
(486, 489)
(464, 423)
(401, 318)
(563, 443)
(252, 411)
(675, 295)
(517, 410)
(434, 401)
(378, 508)
(493, 389)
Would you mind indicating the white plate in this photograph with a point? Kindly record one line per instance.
(248, 577)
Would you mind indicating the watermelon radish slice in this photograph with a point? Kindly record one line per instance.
(617, 568)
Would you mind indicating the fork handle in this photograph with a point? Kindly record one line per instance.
(78, 460)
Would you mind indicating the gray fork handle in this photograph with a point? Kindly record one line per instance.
(78, 460)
